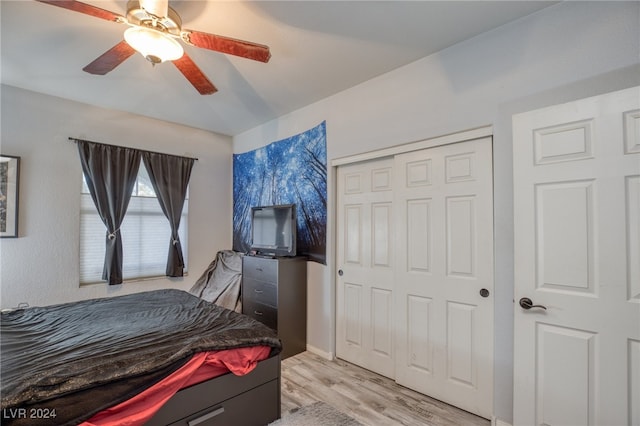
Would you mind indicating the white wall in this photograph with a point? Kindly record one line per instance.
(566, 52)
(41, 267)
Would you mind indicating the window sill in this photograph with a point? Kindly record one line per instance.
(135, 280)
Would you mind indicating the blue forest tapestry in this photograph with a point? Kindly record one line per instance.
(290, 171)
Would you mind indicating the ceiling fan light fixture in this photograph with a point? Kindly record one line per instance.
(154, 45)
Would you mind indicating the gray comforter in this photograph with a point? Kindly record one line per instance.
(79, 358)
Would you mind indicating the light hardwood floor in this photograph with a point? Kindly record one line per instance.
(366, 396)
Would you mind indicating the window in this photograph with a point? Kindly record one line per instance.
(145, 234)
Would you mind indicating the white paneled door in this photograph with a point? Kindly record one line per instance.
(364, 302)
(444, 274)
(577, 262)
(415, 279)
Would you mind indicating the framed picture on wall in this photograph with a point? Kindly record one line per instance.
(9, 177)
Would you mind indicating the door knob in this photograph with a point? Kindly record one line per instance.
(526, 303)
(340, 272)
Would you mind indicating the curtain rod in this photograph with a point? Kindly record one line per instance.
(141, 150)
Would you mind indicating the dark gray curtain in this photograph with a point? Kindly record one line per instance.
(170, 178)
(110, 172)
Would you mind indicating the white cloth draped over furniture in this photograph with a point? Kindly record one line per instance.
(221, 282)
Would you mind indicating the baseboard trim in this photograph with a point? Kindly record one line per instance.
(498, 422)
(319, 352)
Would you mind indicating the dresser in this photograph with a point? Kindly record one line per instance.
(274, 291)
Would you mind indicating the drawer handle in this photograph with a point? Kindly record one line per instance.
(257, 313)
(259, 269)
(258, 291)
(206, 417)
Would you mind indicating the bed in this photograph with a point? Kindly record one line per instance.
(163, 357)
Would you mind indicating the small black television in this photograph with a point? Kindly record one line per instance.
(274, 230)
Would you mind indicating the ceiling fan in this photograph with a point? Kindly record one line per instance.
(154, 31)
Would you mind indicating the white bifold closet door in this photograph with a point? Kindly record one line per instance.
(415, 279)
(444, 277)
(364, 303)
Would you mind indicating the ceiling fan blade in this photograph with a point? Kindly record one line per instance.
(196, 77)
(232, 46)
(87, 9)
(110, 59)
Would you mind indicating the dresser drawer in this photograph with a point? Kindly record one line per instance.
(261, 269)
(266, 314)
(260, 292)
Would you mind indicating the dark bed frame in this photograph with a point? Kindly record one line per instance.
(252, 399)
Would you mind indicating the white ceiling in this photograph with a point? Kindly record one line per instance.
(318, 48)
